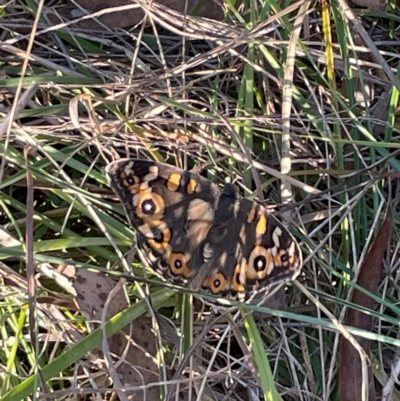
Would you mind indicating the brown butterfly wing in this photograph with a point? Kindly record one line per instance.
(172, 211)
(247, 249)
(190, 233)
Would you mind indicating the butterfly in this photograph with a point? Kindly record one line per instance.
(193, 234)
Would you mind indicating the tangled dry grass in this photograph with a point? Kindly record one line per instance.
(296, 103)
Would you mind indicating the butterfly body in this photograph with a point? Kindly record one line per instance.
(193, 234)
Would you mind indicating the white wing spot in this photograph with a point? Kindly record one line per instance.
(154, 170)
(222, 259)
(144, 184)
(275, 236)
(291, 249)
(150, 177)
(208, 251)
(128, 168)
(153, 258)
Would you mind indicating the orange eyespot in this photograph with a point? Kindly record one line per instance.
(150, 206)
(216, 283)
(178, 264)
(161, 239)
(261, 263)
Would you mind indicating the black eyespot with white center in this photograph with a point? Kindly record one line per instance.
(259, 263)
(285, 257)
(159, 237)
(130, 180)
(216, 282)
(148, 207)
(179, 266)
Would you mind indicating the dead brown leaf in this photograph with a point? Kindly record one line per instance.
(370, 274)
(134, 349)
